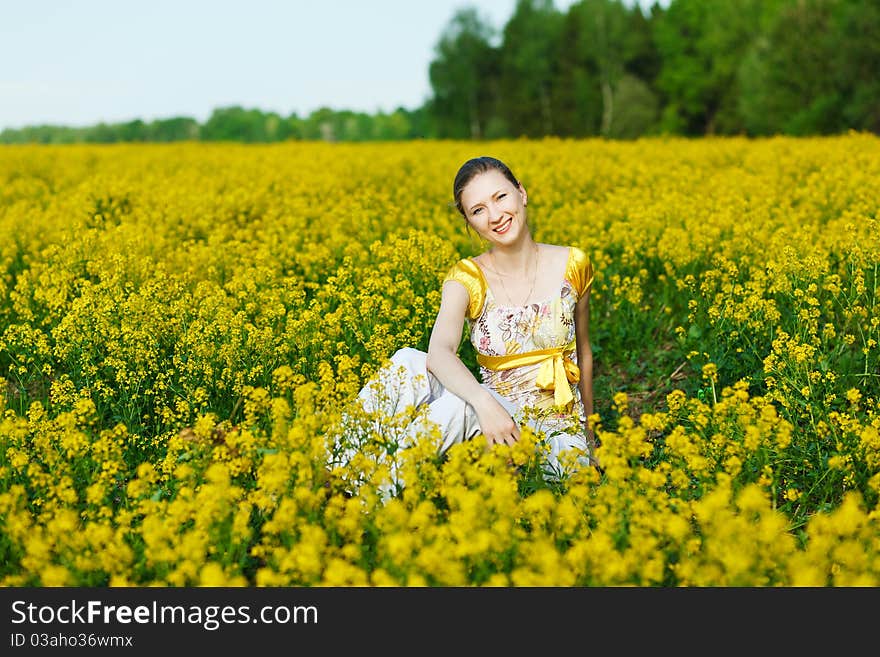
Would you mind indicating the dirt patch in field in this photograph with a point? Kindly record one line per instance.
(645, 383)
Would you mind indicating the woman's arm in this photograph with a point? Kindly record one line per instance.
(444, 363)
(585, 358)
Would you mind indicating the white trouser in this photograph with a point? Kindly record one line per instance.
(406, 382)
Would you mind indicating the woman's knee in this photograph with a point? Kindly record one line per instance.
(565, 442)
(409, 356)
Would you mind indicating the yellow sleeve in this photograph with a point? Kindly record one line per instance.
(579, 271)
(468, 274)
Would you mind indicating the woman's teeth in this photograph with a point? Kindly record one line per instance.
(503, 227)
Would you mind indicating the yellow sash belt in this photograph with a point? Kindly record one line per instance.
(555, 373)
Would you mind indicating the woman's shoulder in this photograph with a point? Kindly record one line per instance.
(467, 273)
(579, 270)
(464, 269)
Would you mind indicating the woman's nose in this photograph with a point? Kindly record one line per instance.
(495, 212)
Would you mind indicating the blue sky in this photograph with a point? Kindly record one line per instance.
(78, 62)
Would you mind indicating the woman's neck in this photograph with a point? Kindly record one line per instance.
(515, 259)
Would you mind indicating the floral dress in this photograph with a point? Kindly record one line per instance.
(516, 347)
(503, 330)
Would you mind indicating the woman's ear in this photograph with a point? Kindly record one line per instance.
(525, 197)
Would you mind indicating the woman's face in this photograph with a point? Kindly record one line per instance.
(495, 207)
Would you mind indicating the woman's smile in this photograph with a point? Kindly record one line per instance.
(504, 226)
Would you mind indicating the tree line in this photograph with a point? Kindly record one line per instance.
(236, 123)
(599, 68)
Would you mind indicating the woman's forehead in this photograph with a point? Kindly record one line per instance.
(485, 184)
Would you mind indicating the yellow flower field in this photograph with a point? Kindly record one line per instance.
(182, 325)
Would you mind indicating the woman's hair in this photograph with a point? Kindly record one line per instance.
(470, 169)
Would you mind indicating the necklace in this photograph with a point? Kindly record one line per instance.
(504, 287)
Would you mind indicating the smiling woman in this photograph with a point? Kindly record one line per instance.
(527, 309)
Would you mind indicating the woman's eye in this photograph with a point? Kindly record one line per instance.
(476, 211)
(502, 195)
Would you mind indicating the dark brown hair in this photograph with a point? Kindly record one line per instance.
(470, 169)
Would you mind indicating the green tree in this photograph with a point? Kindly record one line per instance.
(419, 120)
(178, 128)
(102, 133)
(603, 43)
(235, 123)
(605, 23)
(320, 125)
(463, 77)
(606, 64)
(702, 43)
(642, 57)
(814, 70)
(857, 63)
(637, 109)
(391, 127)
(292, 127)
(576, 92)
(529, 56)
(135, 130)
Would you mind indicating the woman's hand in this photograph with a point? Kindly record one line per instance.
(591, 449)
(496, 423)
(591, 438)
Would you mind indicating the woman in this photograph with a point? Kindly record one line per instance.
(527, 309)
